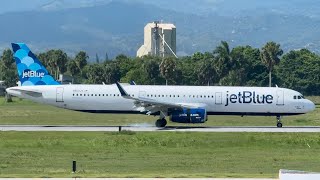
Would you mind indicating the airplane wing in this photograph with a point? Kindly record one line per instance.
(152, 105)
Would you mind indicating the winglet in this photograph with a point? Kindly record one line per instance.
(122, 91)
(132, 82)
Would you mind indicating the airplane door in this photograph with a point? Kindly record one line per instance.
(142, 94)
(59, 94)
(218, 98)
(280, 97)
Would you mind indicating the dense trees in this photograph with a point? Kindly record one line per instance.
(8, 71)
(300, 70)
(238, 66)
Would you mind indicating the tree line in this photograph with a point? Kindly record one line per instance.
(239, 66)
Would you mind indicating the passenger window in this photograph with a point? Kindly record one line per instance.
(72, 94)
(294, 97)
(84, 94)
(162, 95)
(77, 94)
(91, 94)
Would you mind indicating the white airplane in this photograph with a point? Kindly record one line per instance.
(183, 104)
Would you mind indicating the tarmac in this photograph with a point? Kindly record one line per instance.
(155, 129)
(135, 179)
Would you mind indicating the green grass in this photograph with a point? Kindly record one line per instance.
(156, 154)
(26, 112)
(314, 99)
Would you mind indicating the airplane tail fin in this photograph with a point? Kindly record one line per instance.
(30, 70)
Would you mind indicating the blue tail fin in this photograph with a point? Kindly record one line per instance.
(30, 70)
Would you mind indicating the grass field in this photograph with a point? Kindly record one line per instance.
(152, 154)
(156, 154)
(26, 112)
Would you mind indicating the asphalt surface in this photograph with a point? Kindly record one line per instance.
(137, 178)
(150, 128)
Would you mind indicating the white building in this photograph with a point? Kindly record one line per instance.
(159, 40)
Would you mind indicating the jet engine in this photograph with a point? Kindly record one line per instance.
(197, 115)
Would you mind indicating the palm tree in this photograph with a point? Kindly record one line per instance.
(167, 68)
(151, 67)
(223, 59)
(270, 54)
(206, 72)
(81, 60)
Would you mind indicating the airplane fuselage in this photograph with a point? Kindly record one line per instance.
(219, 100)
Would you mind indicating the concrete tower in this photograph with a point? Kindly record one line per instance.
(159, 40)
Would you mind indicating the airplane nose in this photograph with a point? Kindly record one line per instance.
(311, 106)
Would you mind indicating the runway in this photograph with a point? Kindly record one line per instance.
(155, 129)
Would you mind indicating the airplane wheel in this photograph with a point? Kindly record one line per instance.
(161, 123)
(279, 124)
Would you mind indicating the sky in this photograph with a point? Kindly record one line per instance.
(20, 5)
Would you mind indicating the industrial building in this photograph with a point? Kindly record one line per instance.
(159, 40)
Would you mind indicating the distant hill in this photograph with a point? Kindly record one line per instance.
(117, 27)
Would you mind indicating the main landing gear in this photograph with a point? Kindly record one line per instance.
(279, 123)
(161, 122)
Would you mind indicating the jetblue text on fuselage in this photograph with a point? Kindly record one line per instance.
(247, 97)
(27, 74)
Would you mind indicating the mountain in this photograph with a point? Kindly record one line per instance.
(100, 26)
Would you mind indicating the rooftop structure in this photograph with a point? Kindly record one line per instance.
(159, 40)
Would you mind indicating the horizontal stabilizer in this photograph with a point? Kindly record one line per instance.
(27, 92)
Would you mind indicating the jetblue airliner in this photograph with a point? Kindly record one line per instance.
(182, 104)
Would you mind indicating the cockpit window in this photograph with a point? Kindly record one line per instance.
(298, 97)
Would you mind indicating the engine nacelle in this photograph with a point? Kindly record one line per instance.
(198, 115)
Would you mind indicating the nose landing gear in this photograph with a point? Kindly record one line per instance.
(279, 123)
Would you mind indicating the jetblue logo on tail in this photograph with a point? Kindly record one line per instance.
(30, 70)
(32, 74)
